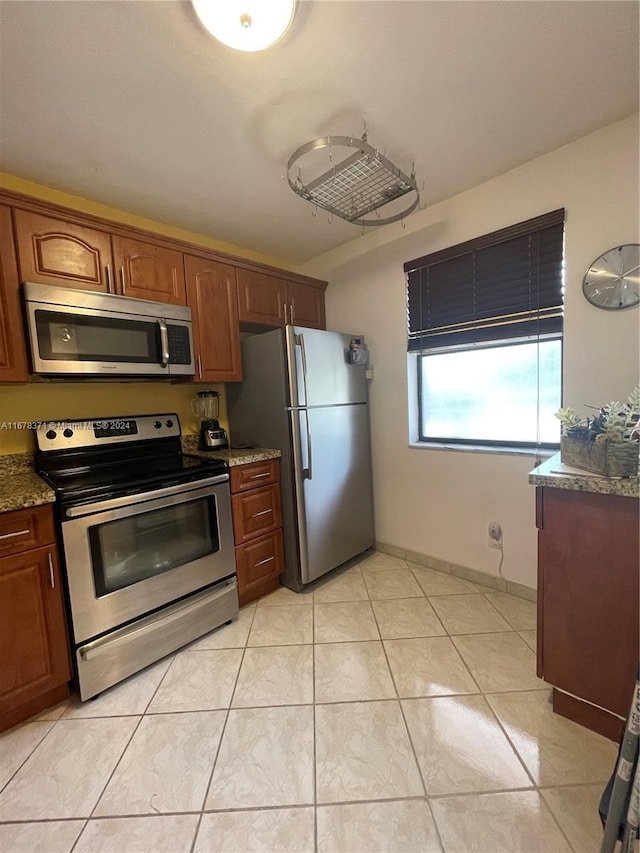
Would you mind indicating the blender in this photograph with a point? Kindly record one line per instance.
(206, 406)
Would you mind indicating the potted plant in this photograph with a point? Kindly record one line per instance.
(606, 444)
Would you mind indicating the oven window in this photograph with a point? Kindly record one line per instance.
(147, 544)
(71, 337)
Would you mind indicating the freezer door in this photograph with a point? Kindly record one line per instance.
(333, 486)
(319, 370)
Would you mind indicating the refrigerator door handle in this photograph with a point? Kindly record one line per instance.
(303, 352)
(308, 471)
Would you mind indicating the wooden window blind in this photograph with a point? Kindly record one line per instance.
(503, 285)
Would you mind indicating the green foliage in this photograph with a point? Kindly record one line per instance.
(614, 422)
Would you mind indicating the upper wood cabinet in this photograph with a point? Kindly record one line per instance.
(261, 298)
(52, 251)
(212, 297)
(13, 358)
(147, 271)
(270, 301)
(306, 305)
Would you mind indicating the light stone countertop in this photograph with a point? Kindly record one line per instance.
(20, 486)
(546, 475)
(232, 457)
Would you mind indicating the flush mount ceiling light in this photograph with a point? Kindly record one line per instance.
(248, 25)
(356, 183)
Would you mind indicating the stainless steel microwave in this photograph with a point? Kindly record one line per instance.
(83, 334)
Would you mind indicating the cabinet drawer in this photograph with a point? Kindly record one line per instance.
(256, 512)
(255, 474)
(259, 560)
(23, 529)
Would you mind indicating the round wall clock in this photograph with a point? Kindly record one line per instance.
(612, 281)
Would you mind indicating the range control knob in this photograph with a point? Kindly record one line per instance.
(68, 433)
(157, 424)
(51, 434)
(169, 423)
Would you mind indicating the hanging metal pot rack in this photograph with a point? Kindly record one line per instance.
(359, 185)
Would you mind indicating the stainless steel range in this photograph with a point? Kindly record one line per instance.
(147, 541)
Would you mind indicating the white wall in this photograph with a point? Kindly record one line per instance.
(438, 502)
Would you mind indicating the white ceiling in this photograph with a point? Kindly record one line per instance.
(134, 105)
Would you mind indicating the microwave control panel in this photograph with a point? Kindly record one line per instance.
(179, 348)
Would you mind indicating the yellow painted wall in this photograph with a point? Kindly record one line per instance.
(47, 401)
(19, 185)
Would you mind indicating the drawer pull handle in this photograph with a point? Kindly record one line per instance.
(52, 576)
(262, 562)
(258, 476)
(264, 512)
(17, 533)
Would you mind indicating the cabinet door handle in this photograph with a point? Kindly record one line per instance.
(109, 278)
(17, 533)
(262, 562)
(199, 367)
(284, 308)
(292, 309)
(259, 476)
(52, 576)
(123, 281)
(264, 512)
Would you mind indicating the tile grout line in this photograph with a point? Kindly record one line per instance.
(28, 756)
(117, 764)
(224, 728)
(413, 797)
(506, 618)
(315, 757)
(409, 736)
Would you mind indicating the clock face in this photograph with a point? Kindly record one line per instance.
(612, 281)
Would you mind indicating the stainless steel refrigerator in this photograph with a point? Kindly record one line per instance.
(303, 394)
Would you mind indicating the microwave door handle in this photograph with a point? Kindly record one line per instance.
(164, 343)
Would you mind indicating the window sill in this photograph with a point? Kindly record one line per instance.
(505, 450)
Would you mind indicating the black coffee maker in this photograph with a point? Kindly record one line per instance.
(206, 407)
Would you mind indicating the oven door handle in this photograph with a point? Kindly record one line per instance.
(191, 491)
(153, 623)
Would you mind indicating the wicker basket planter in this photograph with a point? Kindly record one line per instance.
(609, 458)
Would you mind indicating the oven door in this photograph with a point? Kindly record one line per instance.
(128, 556)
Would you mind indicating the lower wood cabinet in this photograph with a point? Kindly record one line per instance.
(35, 665)
(257, 526)
(259, 564)
(588, 594)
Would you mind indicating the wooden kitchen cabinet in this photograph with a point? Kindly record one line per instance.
(261, 298)
(257, 526)
(53, 251)
(306, 305)
(588, 596)
(149, 271)
(49, 244)
(35, 665)
(266, 300)
(13, 352)
(212, 297)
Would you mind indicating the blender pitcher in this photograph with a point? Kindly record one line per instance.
(206, 407)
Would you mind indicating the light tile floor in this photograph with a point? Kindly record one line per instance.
(391, 708)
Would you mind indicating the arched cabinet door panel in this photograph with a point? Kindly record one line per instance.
(52, 251)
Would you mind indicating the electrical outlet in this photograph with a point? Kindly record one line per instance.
(494, 535)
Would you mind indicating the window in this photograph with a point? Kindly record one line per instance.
(485, 323)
